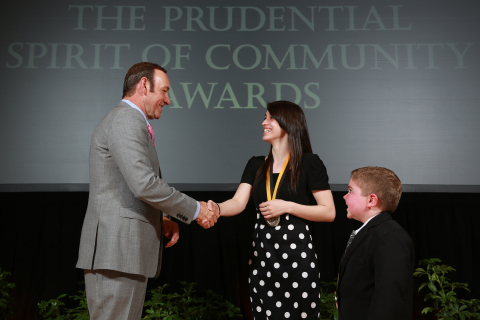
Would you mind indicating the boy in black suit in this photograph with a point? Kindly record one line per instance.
(375, 278)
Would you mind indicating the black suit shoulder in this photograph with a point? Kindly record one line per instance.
(377, 278)
(388, 229)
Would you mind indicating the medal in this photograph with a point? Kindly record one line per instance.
(273, 222)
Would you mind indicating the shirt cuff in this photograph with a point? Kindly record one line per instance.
(197, 212)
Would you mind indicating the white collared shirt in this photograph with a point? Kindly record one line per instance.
(358, 230)
(134, 106)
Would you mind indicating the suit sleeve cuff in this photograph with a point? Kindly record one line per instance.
(197, 212)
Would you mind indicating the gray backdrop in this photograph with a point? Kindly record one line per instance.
(387, 83)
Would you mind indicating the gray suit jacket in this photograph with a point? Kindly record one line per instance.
(122, 229)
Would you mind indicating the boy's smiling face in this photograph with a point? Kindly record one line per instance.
(356, 203)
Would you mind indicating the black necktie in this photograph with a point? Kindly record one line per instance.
(352, 235)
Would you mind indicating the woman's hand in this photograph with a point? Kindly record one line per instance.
(274, 208)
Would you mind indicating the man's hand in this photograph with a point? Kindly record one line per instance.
(171, 231)
(206, 218)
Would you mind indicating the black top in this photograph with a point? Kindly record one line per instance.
(283, 266)
(313, 176)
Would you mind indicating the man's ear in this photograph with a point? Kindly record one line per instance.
(373, 200)
(142, 86)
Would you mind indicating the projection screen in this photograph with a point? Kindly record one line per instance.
(392, 84)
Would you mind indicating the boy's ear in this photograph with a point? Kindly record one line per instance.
(372, 200)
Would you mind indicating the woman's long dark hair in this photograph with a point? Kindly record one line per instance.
(291, 118)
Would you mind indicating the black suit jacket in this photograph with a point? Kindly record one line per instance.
(375, 279)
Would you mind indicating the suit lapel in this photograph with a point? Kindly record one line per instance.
(356, 241)
(359, 238)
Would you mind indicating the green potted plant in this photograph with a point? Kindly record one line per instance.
(328, 308)
(188, 306)
(54, 309)
(174, 306)
(6, 299)
(442, 293)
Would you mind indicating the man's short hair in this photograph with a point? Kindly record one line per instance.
(137, 72)
(382, 182)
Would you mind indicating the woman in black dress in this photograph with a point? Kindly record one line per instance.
(283, 265)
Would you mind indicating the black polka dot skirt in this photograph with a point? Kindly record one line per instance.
(284, 275)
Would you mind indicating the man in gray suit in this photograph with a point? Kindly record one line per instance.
(121, 241)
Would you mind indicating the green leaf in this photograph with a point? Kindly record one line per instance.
(432, 287)
(426, 310)
(422, 285)
(463, 307)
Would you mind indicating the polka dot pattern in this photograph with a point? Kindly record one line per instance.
(284, 272)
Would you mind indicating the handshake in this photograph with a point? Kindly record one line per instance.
(209, 214)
